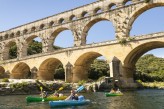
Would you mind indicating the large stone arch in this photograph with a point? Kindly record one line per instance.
(6, 49)
(88, 26)
(47, 68)
(136, 13)
(128, 67)
(56, 32)
(21, 71)
(82, 64)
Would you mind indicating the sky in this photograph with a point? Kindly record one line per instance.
(18, 12)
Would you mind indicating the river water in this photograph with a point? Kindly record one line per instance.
(140, 99)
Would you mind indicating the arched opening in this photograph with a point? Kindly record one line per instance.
(51, 24)
(72, 18)
(84, 14)
(62, 38)
(10, 51)
(21, 71)
(90, 66)
(151, 24)
(112, 6)
(146, 66)
(108, 32)
(34, 45)
(97, 10)
(127, 2)
(51, 69)
(61, 21)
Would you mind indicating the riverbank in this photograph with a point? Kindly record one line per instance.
(31, 86)
(153, 85)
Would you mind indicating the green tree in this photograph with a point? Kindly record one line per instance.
(150, 68)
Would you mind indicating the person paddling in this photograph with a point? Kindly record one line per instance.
(73, 96)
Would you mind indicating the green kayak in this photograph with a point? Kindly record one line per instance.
(39, 99)
(113, 94)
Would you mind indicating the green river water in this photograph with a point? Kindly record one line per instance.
(139, 99)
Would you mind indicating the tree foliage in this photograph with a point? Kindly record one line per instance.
(150, 68)
(98, 69)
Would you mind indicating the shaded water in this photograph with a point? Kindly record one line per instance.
(141, 99)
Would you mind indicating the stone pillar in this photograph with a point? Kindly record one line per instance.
(22, 50)
(115, 68)
(68, 72)
(47, 45)
(80, 73)
(127, 80)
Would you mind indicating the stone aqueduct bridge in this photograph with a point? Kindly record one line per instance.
(77, 59)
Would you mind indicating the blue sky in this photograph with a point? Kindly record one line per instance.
(17, 12)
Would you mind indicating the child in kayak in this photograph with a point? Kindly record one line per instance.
(73, 96)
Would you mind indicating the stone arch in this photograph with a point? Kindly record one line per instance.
(26, 44)
(138, 12)
(56, 33)
(51, 24)
(72, 18)
(2, 72)
(82, 64)
(89, 25)
(61, 21)
(128, 67)
(18, 33)
(137, 52)
(111, 5)
(41, 26)
(127, 2)
(25, 31)
(21, 71)
(47, 68)
(12, 35)
(97, 10)
(84, 14)
(33, 29)
(6, 49)
(6, 36)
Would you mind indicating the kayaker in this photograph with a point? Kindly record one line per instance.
(73, 96)
(112, 91)
(56, 94)
(118, 91)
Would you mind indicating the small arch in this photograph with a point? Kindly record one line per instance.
(84, 14)
(6, 36)
(61, 21)
(33, 29)
(127, 2)
(42, 26)
(11, 35)
(112, 6)
(72, 18)
(18, 33)
(25, 31)
(21, 71)
(97, 10)
(51, 24)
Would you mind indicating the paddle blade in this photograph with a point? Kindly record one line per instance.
(61, 88)
(41, 88)
(80, 89)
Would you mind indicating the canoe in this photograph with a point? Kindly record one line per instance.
(39, 99)
(113, 94)
(64, 103)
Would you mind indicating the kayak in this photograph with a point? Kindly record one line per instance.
(64, 103)
(113, 94)
(39, 99)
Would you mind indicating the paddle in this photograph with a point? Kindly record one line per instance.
(41, 89)
(79, 89)
(61, 88)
